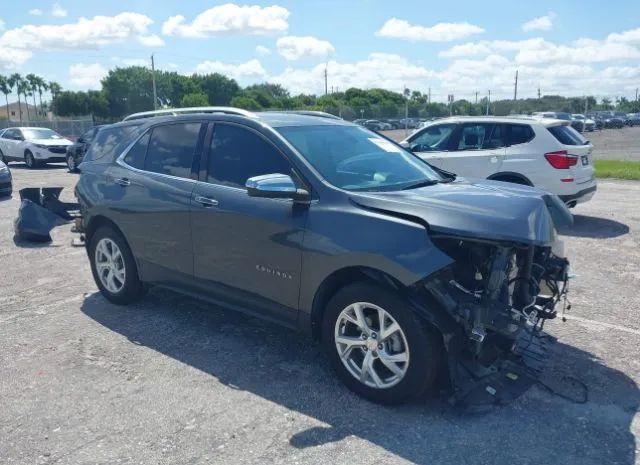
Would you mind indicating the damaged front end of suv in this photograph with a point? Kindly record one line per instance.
(508, 275)
(500, 296)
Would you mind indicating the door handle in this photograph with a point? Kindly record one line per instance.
(206, 201)
(124, 182)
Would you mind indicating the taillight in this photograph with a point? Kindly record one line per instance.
(561, 160)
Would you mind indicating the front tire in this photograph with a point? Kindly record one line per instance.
(71, 164)
(113, 267)
(378, 346)
(30, 160)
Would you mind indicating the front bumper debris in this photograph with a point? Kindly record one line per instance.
(506, 380)
(40, 211)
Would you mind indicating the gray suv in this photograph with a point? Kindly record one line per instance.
(408, 276)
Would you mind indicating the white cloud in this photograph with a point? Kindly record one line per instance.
(11, 58)
(83, 34)
(294, 48)
(441, 32)
(372, 72)
(623, 46)
(230, 19)
(1, 25)
(35, 12)
(262, 50)
(151, 40)
(542, 23)
(250, 71)
(58, 11)
(86, 76)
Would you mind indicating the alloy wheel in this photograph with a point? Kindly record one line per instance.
(371, 345)
(110, 265)
(71, 163)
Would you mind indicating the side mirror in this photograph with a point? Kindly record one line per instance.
(406, 145)
(275, 186)
(81, 140)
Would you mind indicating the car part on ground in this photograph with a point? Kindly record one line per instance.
(40, 211)
(444, 277)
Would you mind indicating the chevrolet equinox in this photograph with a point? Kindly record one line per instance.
(405, 273)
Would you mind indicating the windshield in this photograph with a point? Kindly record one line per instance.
(354, 158)
(36, 133)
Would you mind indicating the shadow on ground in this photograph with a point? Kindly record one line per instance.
(284, 367)
(45, 167)
(594, 227)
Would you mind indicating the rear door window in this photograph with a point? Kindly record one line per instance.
(478, 136)
(111, 142)
(172, 148)
(519, 134)
(566, 135)
(136, 154)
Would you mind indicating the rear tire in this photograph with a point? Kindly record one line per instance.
(113, 267)
(406, 360)
(30, 160)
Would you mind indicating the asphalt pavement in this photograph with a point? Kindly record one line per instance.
(171, 380)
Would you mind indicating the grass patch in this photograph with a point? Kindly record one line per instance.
(621, 169)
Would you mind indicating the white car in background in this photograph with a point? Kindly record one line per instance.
(545, 153)
(33, 146)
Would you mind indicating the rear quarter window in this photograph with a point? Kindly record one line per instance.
(566, 135)
(109, 143)
(519, 134)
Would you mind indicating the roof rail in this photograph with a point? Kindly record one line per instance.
(319, 114)
(183, 111)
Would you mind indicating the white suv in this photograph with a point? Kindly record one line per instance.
(546, 153)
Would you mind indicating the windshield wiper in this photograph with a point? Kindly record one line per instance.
(423, 183)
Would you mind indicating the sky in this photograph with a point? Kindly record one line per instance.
(565, 47)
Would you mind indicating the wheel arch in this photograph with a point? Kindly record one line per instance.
(339, 279)
(96, 222)
(511, 176)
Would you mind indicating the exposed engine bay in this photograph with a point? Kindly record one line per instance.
(500, 296)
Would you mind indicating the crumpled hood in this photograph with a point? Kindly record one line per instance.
(477, 209)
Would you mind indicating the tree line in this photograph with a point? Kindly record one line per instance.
(28, 86)
(130, 89)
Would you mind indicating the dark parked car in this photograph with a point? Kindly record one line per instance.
(76, 152)
(6, 183)
(402, 271)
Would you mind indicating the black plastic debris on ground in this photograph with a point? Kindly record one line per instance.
(40, 211)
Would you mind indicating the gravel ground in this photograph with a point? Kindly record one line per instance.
(175, 381)
(609, 144)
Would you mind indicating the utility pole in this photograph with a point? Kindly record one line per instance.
(405, 92)
(429, 99)
(636, 94)
(325, 79)
(153, 78)
(476, 97)
(515, 89)
(538, 91)
(488, 102)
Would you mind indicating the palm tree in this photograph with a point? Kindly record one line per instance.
(5, 88)
(42, 86)
(23, 88)
(32, 83)
(14, 81)
(55, 89)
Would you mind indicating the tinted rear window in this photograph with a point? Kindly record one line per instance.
(111, 142)
(567, 135)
